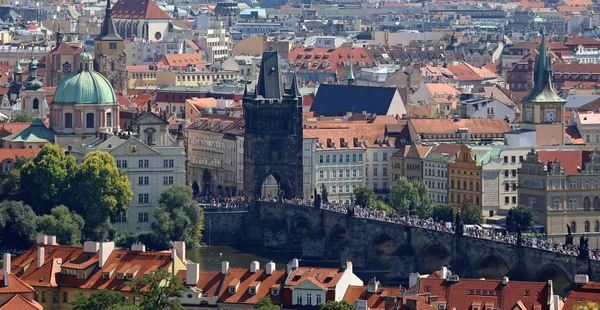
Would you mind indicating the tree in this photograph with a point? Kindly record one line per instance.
(47, 180)
(24, 117)
(382, 206)
(364, 196)
(444, 213)
(521, 218)
(337, 305)
(179, 217)
(472, 217)
(99, 300)
(264, 303)
(64, 224)
(587, 305)
(405, 193)
(103, 191)
(17, 224)
(11, 185)
(156, 289)
(324, 195)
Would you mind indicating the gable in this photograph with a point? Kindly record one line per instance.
(150, 119)
(133, 147)
(308, 284)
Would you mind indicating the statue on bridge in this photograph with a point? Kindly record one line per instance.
(459, 229)
(317, 201)
(584, 247)
(568, 237)
(412, 209)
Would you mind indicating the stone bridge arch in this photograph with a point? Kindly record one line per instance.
(434, 256)
(491, 266)
(558, 274)
(337, 241)
(382, 248)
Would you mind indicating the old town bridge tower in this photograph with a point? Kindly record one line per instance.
(273, 131)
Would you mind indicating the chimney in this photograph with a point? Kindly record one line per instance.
(373, 286)
(138, 247)
(192, 274)
(579, 278)
(293, 265)
(91, 247)
(444, 272)
(6, 263)
(254, 266)
(270, 267)
(180, 247)
(41, 257)
(225, 267)
(6, 276)
(348, 266)
(52, 240)
(106, 249)
(42, 239)
(505, 280)
(413, 279)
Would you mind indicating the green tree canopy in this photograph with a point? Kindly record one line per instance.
(472, 217)
(444, 213)
(99, 300)
(405, 192)
(265, 303)
(364, 196)
(382, 206)
(337, 305)
(520, 217)
(178, 218)
(24, 117)
(103, 190)
(47, 180)
(64, 224)
(17, 224)
(156, 289)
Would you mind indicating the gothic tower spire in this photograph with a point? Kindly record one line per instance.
(351, 71)
(108, 31)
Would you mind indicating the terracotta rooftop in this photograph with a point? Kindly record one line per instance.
(324, 277)
(209, 283)
(14, 153)
(138, 9)
(337, 135)
(374, 300)
(18, 302)
(575, 68)
(571, 160)
(469, 292)
(181, 61)
(582, 293)
(15, 285)
(322, 58)
(435, 126)
(468, 72)
(244, 279)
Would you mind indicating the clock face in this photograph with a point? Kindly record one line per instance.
(529, 116)
(550, 116)
(67, 67)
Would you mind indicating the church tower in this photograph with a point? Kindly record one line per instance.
(273, 133)
(110, 54)
(33, 98)
(543, 110)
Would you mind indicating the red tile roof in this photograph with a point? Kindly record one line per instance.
(15, 285)
(193, 45)
(468, 72)
(66, 49)
(138, 9)
(468, 292)
(180, 61)
(583, 293)
(14, 127)
(435, 126)
(21, 303)
(209, 283)
(14, 153)
(570, 159)
(575, 68)
(322, 58)
(325, 277)
(374, 300)
(243, 278)
(583, 41)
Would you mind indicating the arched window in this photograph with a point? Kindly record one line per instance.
(464, 184)
(89, 120)
(573, 226)
(68, 120)
(586, 226)
(587, 204)
(471, 186)
(36, 104)
(597, 226)
(108, 119)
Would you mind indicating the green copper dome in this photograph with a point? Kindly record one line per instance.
(84, 87)
(85, 56)
(18, 69)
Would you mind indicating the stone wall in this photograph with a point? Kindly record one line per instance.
(389, 249)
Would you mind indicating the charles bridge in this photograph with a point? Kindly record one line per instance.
(389, 249)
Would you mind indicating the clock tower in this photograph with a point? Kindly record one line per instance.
(110, 53)
(543, 110)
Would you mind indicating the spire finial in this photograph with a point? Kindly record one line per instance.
(351, 71)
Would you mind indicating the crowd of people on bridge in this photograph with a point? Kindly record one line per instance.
(475, 231)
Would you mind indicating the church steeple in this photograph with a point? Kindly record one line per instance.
(269, 79)
(351, 71)
(108, 31)
(542, 76)
(32, 82)
(17, 72)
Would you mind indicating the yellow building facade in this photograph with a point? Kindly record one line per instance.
(464, 179)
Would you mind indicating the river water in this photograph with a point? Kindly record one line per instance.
(210, 257)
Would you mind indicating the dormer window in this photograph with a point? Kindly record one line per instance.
(120, 276)
(275, 291)
(252, 291)
(105, 275)
(232, 290)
